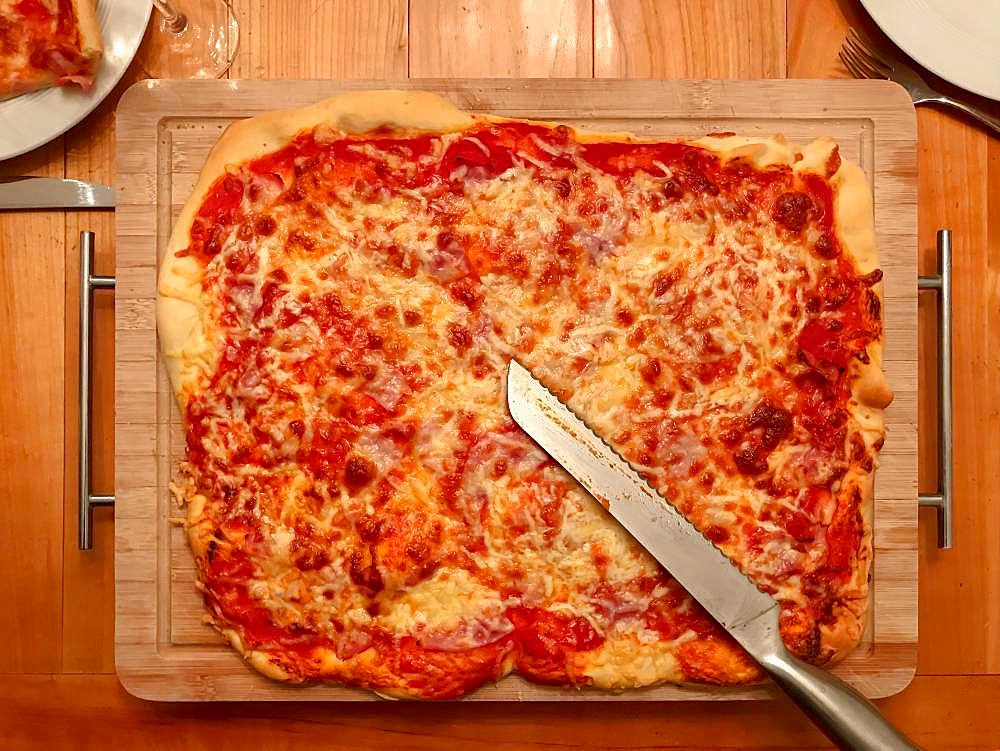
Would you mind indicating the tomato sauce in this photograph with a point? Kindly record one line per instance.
(545, 640)
(843, 536)
(226, 589)
(664, 617)
(35, 11)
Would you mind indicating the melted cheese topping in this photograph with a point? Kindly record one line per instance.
(366, 483)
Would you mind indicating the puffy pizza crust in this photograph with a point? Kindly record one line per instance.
(855, 223)
(199, 526)
(181, 318)
(617, 666)
(844, 632)
(91, 44)
(39, 80)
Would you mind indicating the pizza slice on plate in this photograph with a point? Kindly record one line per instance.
(47, 43)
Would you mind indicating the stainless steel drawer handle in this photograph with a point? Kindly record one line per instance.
(89, 282)
(942, 499)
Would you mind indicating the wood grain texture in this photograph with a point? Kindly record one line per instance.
(960, 187)
(816, 31)
(166, 130)
(321, 38)
(88, 591)
(73, 712)
(32, 303)
(812, 54)
(485, 38)
(689, 38)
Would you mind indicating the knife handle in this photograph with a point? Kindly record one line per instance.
(845, 716)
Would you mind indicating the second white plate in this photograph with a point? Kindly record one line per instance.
(958, 40)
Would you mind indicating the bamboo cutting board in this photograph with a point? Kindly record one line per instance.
(165, 129)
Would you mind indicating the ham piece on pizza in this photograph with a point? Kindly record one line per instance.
(338, 304)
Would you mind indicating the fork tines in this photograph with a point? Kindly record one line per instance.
(859, 58)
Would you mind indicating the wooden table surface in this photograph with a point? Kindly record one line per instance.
(56, 619)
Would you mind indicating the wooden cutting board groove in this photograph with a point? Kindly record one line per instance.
(164, 132)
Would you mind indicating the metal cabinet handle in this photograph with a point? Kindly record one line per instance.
(87, 500)
(942, 499)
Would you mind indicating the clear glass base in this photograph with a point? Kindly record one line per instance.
(195, 38)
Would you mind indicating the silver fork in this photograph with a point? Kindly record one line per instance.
(864, 60)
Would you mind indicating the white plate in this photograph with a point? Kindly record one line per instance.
(958, 40)
(30, 120)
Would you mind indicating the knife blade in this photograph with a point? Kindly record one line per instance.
(747, 613)
(700, 567)
(53, 193)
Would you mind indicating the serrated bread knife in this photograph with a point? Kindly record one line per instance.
(749, 614)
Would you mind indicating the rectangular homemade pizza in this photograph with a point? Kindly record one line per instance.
(47, 43)
(338, 304)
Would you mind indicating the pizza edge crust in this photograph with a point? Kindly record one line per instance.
(364, 665)
(843, 634)
(91, 43)
(199, 527)
(630, 672)
(627, 669)
(181, 312)
(855, 225)
(25, 84)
